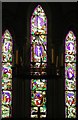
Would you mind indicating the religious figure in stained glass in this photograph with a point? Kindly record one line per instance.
(70, 75)
(38, 62)
(6, 108)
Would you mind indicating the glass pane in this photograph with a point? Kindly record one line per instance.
(38, 49)
(43, 109)
(7, 46)
(38, 62)
(7, 70)
(34, 111)
(71, 112)
(38, 21)
(70, 97)
(34, 24)
(70, 84)
(6, 97)
(42, 116)
(6, 109)
(6, 84)
(70, 75)
(38, 84)
(70, 58)
(38, 98)
(6, 57)
(70, 47)
(70, 70)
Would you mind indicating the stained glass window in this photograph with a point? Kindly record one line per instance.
(6, 108)
(70, 75)
(38, 62)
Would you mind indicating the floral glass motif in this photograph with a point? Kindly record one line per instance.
(38, 62)
(70, 75)
(6, 108)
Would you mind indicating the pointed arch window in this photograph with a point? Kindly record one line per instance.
(70, 75)
(6, 107)
(38, 62)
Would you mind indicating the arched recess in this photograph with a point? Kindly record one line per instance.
(70, 75)
(27, 82)
(7, 51)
